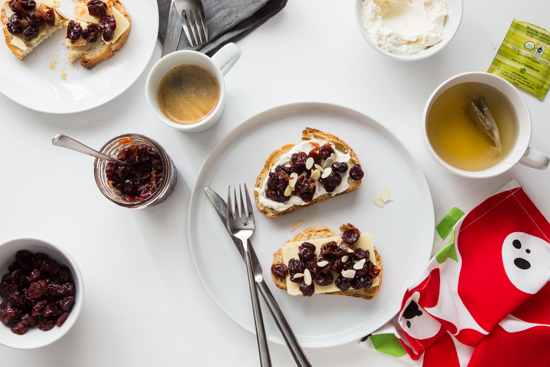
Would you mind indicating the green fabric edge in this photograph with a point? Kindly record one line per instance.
(388, 344)
(446, 225)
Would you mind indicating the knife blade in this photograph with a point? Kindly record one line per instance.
(173, 32)
(301, 360)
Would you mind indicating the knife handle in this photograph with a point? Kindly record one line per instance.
(282, 324)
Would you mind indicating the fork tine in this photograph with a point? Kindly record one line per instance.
(237, 213)
(186, 28)
(243, 209)
(203, 22)
(229, 206)
(197, 24)
(248, 203)
(192, 24)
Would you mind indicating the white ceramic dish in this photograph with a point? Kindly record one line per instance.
(455, 8)
(35, 338)
(36, 82)
(403, 230)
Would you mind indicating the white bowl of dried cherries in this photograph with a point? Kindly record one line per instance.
(41, 293)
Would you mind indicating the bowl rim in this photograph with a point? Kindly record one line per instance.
(414, 57)
(75, 312)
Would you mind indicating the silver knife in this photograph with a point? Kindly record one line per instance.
(173, 32)
(280, 320)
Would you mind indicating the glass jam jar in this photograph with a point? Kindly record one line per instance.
(115, 147)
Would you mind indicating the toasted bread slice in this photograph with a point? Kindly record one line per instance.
(92, 54)
(322, 232)
(44, 33)
(307, 134)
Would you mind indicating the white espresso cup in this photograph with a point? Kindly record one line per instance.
(219, 65)
(521, 152)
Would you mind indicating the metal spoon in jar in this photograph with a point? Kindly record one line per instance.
(65, 142)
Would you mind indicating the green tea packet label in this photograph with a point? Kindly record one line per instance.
(524, 58)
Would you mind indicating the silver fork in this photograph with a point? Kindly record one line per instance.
(193, 20)
(241, 225)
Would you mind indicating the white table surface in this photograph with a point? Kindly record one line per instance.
(144, 303)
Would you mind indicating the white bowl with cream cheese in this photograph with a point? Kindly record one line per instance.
(408, 30)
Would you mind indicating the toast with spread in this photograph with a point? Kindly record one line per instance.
(99, 30)
(296, 176)
(319, 261)
(28, 23)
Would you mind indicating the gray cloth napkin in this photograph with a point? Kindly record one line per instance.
(227, 21)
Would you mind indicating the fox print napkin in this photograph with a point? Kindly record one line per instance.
(227, 21)
(484, 298)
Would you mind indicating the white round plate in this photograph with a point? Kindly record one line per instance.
(37, 82)
(402, 230)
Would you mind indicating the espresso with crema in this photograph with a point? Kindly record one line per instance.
(188, 93)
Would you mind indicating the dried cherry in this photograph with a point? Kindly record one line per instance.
(107, 26)
(324, 279)
(314, 153)
(361, 254)
(90, 33)
(340, 167)
(329, 249)
(74, 31)
(279, 270)
(97, 8)
(364, 270)
(57, 290)
(311, 265)
(28, 4)
(15, 25)
(46, 324)
(24, 258)
(50, 266)
(276, 195)
(305, 184)
(325, 151)
(350, 236)
(19, 328)
(61, 319)
(16, 6)
(356, 173)
(37, 289)
(298, 159)
(67, 303)
(360, 282)
(333, 180)
(307, 196)
(50, 17)
(295, 267)
(278, 180)
(373, 270)
(36, 19)
(306, 251)
(307, 290)
(287, 170)
(16, 298)
(37, 308)
(342, 283)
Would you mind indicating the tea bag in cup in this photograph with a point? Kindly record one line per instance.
(479, 113)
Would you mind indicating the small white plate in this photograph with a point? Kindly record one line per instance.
(36, 82)
(402, 230)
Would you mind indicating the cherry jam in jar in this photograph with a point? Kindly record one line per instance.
(147, 180)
